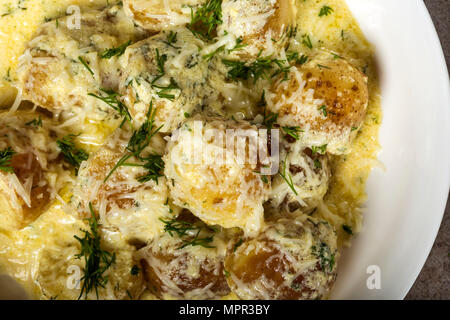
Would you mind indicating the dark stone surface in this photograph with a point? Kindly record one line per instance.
(434, 280)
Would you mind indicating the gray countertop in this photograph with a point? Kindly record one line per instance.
(434, 280)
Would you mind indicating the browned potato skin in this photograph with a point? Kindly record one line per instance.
(25, 165)
(187, 284)
(280, 23)
(349, 109)
(343, 88)
(250, 267)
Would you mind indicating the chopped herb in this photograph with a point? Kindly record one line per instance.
(120, 50)
(226, 273)
(317, 164)
(184, 230)
(139, 140)
(325, 11)
(5, 160)
(35, 122)
(135, 270)
(97, 260)
(294, 56)
(319, 149)
(171, 39)
(111, 98)
(347, 229)
(238, 46)
(354, 128)
(323, 108)
(325, 256)
(307, 41)
(71, 153)
(186, 115)
(84, 63)
(287, 178)
(323, 67)
(292, 131)
(238, 244)
(210, 55)
(206, 19)
(262, 68)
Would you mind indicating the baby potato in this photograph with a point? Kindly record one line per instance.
(291, 259)
(206, 175)
(186, 262)
(128, 198)
(28, 169)
(65, 61)
(159, 15)
(167, 71)
(310, 175)
(326, 97)
(264, 26)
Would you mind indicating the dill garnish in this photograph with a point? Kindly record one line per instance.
(97, 260)
(287, 178)
(5, 160)
(292, 131)
(115, 51)
(112, 100)
(326, 257)
(139, 140)
(35, 122)
(71, 153)
(206, 19)
(188, 232)
(325, 11)
(262, 68)
(84, 63)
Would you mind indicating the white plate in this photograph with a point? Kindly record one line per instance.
(407, 201)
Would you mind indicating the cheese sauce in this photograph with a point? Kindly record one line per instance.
(41, 254)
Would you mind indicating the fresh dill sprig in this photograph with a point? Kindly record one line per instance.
(97, 260)
(292, 131)
(206, 19)
(5, 160)
(294, 56)
(327, 259)
(171, 39)
(71, 153)
(115, 51)
(323, 109)
(35, 122)
(85, 64)
(111, 98)
(182, 229)
(262, 68)
(307, 41)
(287, 178)
(139, 140)
(325, 11)
(269, 118)
(164, 91)
(319, 149)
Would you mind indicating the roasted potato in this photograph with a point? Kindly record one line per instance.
(263, 26)
(326, 97)
(310, 175)
(206, 175)
(128, 198)
(186, 262)
(159, 15)
(30, 169)
(167, 71)
(291, 259)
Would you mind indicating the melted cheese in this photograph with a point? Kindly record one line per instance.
(39, 255)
